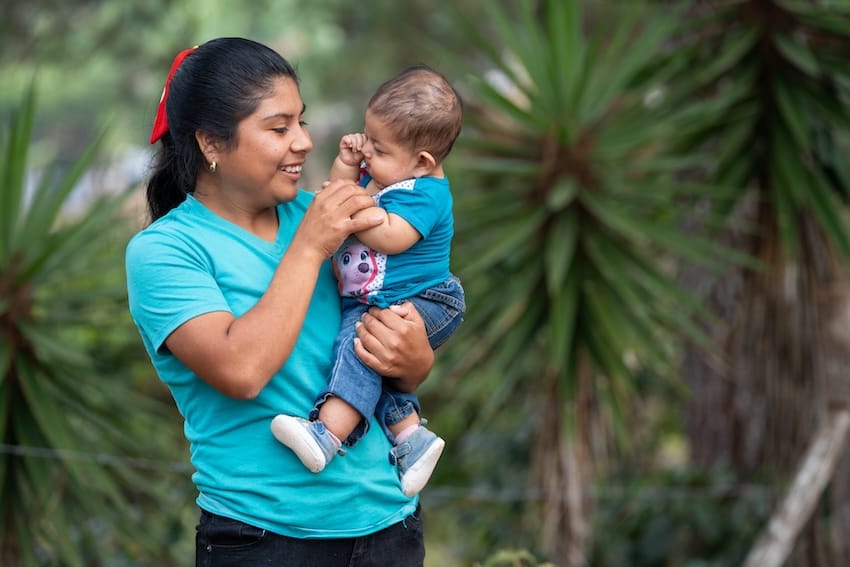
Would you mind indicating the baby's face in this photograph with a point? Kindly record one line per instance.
(387, 160)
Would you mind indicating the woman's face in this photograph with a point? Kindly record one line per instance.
(264, 166)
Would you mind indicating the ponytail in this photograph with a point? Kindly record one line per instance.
(209, 89)
(172, 178)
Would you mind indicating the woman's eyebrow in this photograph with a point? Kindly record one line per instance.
(285, 115)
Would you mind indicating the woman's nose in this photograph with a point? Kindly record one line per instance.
(303, 142)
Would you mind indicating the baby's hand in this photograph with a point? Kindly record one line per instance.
(351, 149)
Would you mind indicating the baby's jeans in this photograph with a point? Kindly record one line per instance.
(441, 308)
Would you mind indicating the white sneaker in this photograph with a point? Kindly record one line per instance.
(309, 440)
(417, 458)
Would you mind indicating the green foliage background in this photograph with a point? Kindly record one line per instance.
(98, 68)
(570, 260)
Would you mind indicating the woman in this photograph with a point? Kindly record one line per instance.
(237, 306)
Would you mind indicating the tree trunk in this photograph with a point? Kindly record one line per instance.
(787, 363)
(776, 541)
(835, 306)
(563, 464)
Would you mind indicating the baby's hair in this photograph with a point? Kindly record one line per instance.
(421, 108)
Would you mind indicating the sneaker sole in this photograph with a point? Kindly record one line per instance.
(285, 429)
(418, 475)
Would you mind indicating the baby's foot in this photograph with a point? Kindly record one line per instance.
(309, 440)
(417, 457)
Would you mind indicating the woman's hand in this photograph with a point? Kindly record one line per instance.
(393, 342)
(328, 221)
(238, 356)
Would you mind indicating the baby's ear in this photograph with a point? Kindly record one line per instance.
(425, 163)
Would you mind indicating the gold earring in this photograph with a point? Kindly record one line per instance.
(213, 165)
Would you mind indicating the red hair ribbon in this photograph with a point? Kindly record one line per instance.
(160, 121)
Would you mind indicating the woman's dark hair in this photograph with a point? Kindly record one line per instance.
(214, 88)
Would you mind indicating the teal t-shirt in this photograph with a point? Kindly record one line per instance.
(192, 262)
(381, 279)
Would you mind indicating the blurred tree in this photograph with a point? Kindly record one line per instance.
(570, 192)
(80, 50)
(591, 131)
(777, 75)
(106, 61)
(74, 430)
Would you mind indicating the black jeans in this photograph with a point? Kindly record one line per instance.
(222, 542)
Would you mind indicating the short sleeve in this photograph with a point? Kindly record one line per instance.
(423, 207)
(168, 283)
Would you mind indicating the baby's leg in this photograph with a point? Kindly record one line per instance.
(401, 430)
(339, 417)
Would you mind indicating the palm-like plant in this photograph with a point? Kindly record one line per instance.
(570, 199)
(779, 71)
(69, 414)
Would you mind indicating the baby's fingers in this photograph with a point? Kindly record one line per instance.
(358, 141)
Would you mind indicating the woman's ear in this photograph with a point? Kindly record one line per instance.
(425, 164)
(209, 146)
